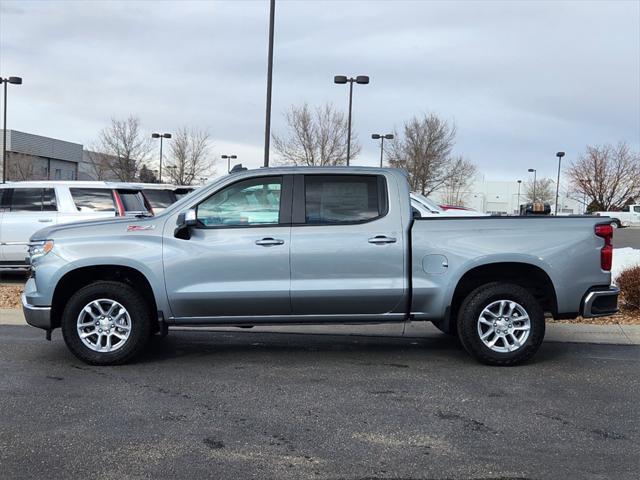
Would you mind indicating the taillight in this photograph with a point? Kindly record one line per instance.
(605, 230)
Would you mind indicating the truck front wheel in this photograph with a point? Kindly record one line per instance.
(106, 323)
(501, 324)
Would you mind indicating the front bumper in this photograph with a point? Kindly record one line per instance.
(36, 316)
(600, 302)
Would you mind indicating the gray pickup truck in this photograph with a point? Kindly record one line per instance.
(315, 246)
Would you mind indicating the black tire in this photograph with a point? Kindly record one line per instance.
(473, 306)
(137, 308)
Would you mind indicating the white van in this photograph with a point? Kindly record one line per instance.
(26, 207)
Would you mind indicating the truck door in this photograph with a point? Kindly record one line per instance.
(236, 262)
(26, 211)
(635, 214)
(347, 247)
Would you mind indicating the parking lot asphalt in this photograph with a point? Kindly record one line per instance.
(287, 406)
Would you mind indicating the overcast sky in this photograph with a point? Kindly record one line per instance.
(520, 79)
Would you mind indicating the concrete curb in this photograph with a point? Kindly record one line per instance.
(556, 332)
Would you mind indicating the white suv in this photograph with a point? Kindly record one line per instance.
(26, 207)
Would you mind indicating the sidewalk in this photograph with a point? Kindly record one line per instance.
(556, 332)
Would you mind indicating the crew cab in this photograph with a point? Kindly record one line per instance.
(628, 216)
(328, 245)
(26, 207)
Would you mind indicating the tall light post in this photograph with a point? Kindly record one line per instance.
(161, 136)
(519, 183)
(342, 79)
(267, 123)
(535, 173)
(13, 81)
(228, 158)
(559, 155)
(382, 137)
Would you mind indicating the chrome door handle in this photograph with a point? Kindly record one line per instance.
(269, 242)
(45, 220)
(381, 239)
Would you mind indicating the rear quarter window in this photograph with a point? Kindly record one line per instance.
(132, 200)
(160, 198)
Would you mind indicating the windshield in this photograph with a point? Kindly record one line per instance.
(430, 204)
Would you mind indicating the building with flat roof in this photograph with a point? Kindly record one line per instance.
(34, 157)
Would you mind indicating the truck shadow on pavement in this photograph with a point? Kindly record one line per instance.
(276, 348)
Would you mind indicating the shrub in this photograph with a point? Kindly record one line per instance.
(629, 283)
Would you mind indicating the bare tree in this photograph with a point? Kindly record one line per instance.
(424, 152)
(99, 164)
(20, 167)
(315, 137)
(545, 190)
(458, 181)
(123, 140)
(189, 158)
(608, 175)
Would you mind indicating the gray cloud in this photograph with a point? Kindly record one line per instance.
(520, 79)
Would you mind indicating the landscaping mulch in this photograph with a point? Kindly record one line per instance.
(10, 296)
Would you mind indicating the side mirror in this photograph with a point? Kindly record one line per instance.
(185, 221)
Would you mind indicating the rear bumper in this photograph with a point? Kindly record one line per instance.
(39, 317)
(600, 302)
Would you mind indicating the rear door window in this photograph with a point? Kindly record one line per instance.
(343, 199)
(93, 199)
(32, 200)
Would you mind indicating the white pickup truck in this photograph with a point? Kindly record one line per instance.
(628, 216)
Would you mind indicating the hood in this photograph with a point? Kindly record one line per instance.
(48, 233)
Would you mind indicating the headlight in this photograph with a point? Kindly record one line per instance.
(40, 249)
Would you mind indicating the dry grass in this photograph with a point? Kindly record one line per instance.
(10, 298)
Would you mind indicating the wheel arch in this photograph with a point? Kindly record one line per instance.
(529, 276)
(79, 277)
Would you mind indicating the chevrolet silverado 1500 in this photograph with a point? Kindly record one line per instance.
(315, 246)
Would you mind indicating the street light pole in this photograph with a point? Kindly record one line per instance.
(519, 183)
(381, 137)
(161, 137)
(228, 158)
(267, 123)
(342, 79)
(535, 174)
(559, 155)
(14, 81)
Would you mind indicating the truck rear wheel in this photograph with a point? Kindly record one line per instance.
(106, 323)
(501, 324)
